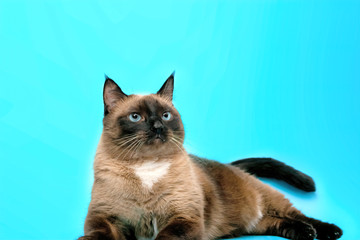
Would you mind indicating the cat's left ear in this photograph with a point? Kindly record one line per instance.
(167, 89)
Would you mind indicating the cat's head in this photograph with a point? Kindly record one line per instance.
(137, 126)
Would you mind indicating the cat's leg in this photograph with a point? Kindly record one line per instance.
(182, 229)
(324, 230)
(100, 227)
(284, 227)
(295, 225)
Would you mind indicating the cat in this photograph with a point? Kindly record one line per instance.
(147, 187)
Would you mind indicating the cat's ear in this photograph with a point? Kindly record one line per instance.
(167, 89)
(112, 94)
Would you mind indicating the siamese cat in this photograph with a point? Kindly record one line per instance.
(147, 187)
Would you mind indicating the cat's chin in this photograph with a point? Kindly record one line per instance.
(156, 148)
(158, 141)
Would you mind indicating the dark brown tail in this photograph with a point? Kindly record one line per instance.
(271, 168)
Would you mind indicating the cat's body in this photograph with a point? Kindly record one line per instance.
(148, 187)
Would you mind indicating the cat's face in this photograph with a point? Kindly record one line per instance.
(138, 126)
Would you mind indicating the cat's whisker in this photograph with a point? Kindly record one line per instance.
(177, 145)
(179, 141)
(176, 136)
(130, 142)
(133, 149)
(138, 146)
(141, 144)
(118, 157)
(127, 145)
(127, 140)
(120, 141)
(121, 153)
(125, 137)
(130, 147)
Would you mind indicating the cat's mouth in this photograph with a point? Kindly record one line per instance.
(157, 138)
(161, 137)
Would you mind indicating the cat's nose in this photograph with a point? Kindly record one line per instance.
(158, 127)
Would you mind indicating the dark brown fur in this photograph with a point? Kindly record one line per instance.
(191, 197)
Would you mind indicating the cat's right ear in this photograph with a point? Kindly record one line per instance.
(167, 89)
(112, 94)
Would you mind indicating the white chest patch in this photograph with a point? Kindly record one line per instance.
(151, 172)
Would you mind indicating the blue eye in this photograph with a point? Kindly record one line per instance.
(166, 116)
(134, 117)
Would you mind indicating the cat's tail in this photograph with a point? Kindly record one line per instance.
(271, 168)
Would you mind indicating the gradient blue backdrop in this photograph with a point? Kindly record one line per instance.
(253, 78)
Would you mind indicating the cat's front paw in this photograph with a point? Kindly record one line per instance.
(328, 231)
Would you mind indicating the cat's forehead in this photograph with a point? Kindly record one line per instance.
(144, 103)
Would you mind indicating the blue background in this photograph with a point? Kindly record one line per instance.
(253, 78)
